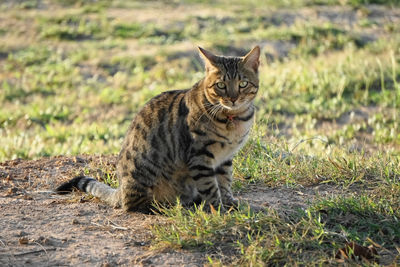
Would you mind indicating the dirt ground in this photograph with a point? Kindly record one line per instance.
(39, 228)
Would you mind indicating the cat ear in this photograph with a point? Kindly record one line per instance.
(209, 58)
(252, 59)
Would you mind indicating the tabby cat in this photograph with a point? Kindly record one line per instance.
(181, 143)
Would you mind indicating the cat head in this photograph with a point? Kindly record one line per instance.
(231, 82)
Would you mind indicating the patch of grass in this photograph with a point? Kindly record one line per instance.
(311, 39)
(315, 91)
(149, 33)
(128, 64)
(307, 237)
(78, 2)
(134, 30)
(294, 3)
(363, 217)
(33, 55)
(377, 2)
(274, 165)
(73, 27)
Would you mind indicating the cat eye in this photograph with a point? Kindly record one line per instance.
(221, 85)
(243, 84)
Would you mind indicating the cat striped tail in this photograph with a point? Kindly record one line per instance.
(89, 185)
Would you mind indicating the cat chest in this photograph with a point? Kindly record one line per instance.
(230, 139)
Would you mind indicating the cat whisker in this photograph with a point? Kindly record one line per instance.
(207, 111)
(215, 111)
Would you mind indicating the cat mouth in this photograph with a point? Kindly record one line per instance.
(235, 106)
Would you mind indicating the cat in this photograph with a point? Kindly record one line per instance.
(181, 143)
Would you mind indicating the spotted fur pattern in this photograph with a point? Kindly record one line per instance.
(181, 143)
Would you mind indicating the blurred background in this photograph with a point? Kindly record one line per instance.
(73, 73)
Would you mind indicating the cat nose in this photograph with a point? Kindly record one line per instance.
(233, 99)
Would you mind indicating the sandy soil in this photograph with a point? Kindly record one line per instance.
(39, 228)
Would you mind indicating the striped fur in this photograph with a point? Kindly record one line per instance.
(181, 143)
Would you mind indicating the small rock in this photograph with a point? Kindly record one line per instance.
(75, 221)
(47, 241)
(353, 250)
(12, 191)
(27, 197)
(23, 241)
(79, 160)
(22, 233)
(139, 243)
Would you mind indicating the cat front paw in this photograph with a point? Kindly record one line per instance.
(231, 202)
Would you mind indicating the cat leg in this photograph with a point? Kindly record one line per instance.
(135, 198)
(224, 178)
(205, 180)
(133, 195)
